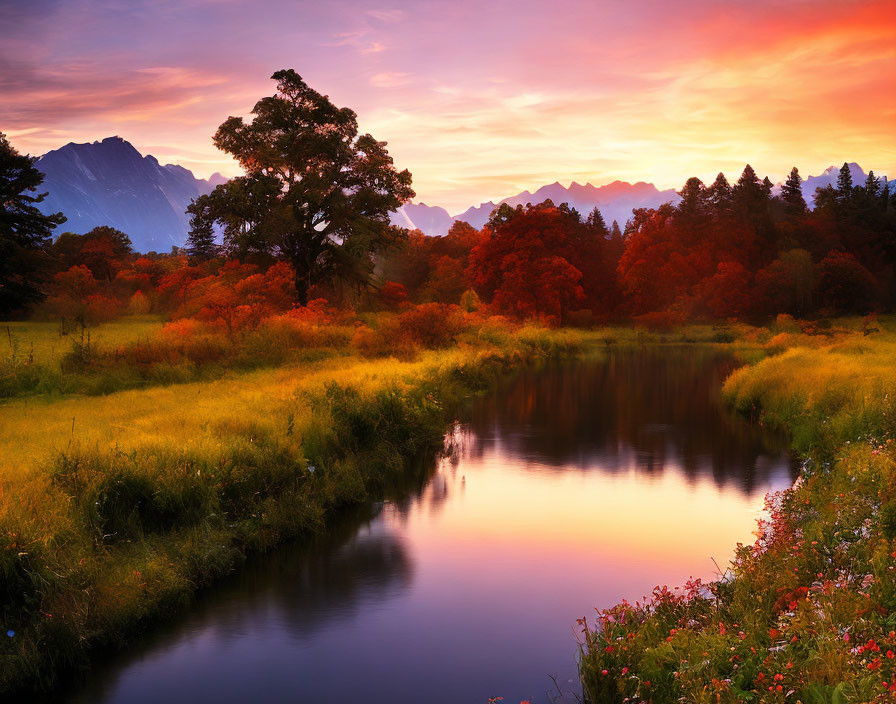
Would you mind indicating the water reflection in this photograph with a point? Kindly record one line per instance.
(572, 486)
(636, 410)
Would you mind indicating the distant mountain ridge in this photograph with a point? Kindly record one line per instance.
(615, 201)
(111, 183)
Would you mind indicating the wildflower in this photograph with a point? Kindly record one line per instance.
(10, 634)
(604, 672)
(624, 670)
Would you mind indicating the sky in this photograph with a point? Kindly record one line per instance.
(478, 99)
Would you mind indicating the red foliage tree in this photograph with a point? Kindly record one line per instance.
(522, 264)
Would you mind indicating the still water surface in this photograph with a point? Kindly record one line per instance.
(571, 487)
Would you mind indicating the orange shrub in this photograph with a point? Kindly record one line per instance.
(432, 325)
(100, 308)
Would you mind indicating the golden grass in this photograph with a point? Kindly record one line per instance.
(48, 345)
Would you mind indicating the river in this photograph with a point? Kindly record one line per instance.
(570, 487)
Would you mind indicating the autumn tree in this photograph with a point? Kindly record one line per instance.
(520, 267)
(315, 192)
(25, 232)
(104, 250)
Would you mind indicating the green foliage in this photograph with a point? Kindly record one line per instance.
(25, 232)
(315, 191)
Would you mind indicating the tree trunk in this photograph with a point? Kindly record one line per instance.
(301, 284)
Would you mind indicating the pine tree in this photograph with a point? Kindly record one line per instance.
(720, 193)
(596, 221)
(872, 185)
(844, 183)
(25, 232)
(615, 232)
(749, 193)
(792, 193)
(693, 198)
(201, 237)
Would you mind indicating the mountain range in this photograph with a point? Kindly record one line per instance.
(110, 183)
(615, 201)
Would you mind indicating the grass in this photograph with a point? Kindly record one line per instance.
(808, 612)
(49, 342)
(115, 509)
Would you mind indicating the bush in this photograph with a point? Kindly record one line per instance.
(432, 325)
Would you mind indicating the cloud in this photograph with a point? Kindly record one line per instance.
(478, 100)
(387, 16)
(390, 79)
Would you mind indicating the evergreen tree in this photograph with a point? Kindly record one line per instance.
(25, 232)
(872, 185)
(792, 193)
(615, 232)
(720, 193)
(767, 186)
(844, 183)
(693, 199)
(201, 237)
(749, 193)
(596, 221)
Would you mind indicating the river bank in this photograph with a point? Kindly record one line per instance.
(117, 508)
(808, 612)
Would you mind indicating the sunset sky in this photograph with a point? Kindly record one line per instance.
(480, 100)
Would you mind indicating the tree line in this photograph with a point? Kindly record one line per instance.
(310, 216)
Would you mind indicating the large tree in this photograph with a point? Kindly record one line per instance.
(25, 232)
(315, 192)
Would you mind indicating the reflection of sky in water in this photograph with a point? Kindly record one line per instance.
(569, 489)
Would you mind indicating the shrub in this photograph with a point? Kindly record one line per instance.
(432, 325)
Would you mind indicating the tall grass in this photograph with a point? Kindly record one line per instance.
(114, 509)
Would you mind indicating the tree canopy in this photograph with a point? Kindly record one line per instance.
(25, 231)
(315, 192)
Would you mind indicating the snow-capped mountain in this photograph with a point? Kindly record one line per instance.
(828, 177)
